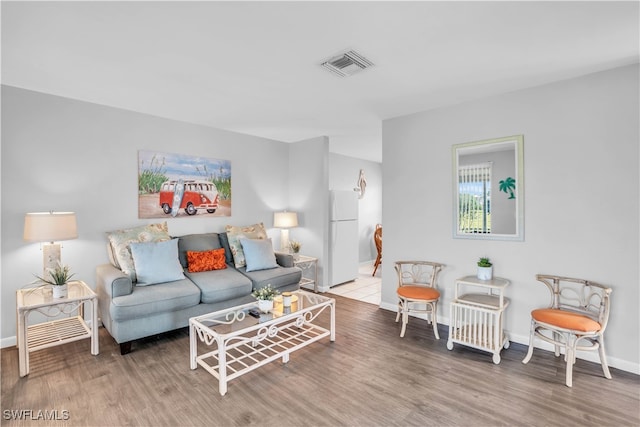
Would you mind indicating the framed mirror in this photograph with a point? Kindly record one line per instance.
(488, 189)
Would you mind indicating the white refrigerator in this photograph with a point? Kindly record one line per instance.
(343, 237)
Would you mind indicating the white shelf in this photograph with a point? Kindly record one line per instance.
(477, 318)
(57, 332)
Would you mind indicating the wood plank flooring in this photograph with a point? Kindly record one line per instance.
(368, 377)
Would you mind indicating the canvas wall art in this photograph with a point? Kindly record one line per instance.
(182, 186)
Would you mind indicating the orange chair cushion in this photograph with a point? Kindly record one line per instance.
(418, 292)
(565, 319)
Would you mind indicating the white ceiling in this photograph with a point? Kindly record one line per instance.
(253, 67)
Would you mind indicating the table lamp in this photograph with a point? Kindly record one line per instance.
(50, 227)
(285, 220)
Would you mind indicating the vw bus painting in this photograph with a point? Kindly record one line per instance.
(189, 195)
(182, 186)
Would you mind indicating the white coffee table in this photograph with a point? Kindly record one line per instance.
(244, 343)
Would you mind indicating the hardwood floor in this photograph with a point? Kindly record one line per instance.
(368, 377)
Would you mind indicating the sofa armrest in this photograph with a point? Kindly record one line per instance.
(113, 281)
(284, 259)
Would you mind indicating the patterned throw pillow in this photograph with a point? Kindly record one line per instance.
(120, 240)
(206, 260)
(255, 231)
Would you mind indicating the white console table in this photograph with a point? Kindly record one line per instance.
(477, 315)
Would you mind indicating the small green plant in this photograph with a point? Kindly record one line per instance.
(266, 293)
(59, 276)
(295, 246)
(484, 262)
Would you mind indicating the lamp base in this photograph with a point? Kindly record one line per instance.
(284, 240)
(50, 257)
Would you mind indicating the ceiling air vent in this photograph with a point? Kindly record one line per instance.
(347, 64)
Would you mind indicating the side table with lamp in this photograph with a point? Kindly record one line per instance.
(53, 227)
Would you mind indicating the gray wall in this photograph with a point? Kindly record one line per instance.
(66, 155)
(308, 194)
(343, 175)
(581, 192)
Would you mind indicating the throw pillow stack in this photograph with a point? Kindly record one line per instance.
(251, 248)
(120, 245)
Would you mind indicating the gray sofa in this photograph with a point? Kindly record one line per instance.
(130, 312)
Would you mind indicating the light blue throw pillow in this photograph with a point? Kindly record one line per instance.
(156, 262)
(258, 254)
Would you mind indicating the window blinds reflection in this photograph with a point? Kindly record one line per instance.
(474, 201)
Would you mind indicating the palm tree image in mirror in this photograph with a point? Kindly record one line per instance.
(479, 213)
(508, 185)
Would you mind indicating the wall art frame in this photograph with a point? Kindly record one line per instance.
(182, 186)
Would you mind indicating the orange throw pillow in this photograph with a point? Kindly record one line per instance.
(206, 260)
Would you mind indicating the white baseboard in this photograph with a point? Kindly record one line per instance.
(590, 356)
(8, 342)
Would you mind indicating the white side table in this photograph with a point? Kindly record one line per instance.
(307, 263)
(56, 332)
(477, 315)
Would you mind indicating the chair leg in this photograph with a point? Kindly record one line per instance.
(405, 318)
(603, 358)
(376, 264)
(556, 348)
(531, 336)
(434, 321)
(399, 310)
(570, 356)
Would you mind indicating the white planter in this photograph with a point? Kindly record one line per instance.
(485, 273)
(265, 305)
(59, 291)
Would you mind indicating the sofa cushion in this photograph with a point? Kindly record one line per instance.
(255, 231)
(120, 240)
(196, 243)
(224, 242)
(156, 262)
(277, 277)
(220, 285)
(148, 300)
(258, 254)
(206, 260)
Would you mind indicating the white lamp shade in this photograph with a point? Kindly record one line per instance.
(285, 219)
(50, 226)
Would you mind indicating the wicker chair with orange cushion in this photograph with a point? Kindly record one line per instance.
(574, 321)
(417, 287)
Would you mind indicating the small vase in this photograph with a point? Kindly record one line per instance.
(59, 291)
(485, 273)
(265, 305)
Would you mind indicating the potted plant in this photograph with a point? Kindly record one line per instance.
(295, 248)
(485, 269)
(265, 297)
(58, 279)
